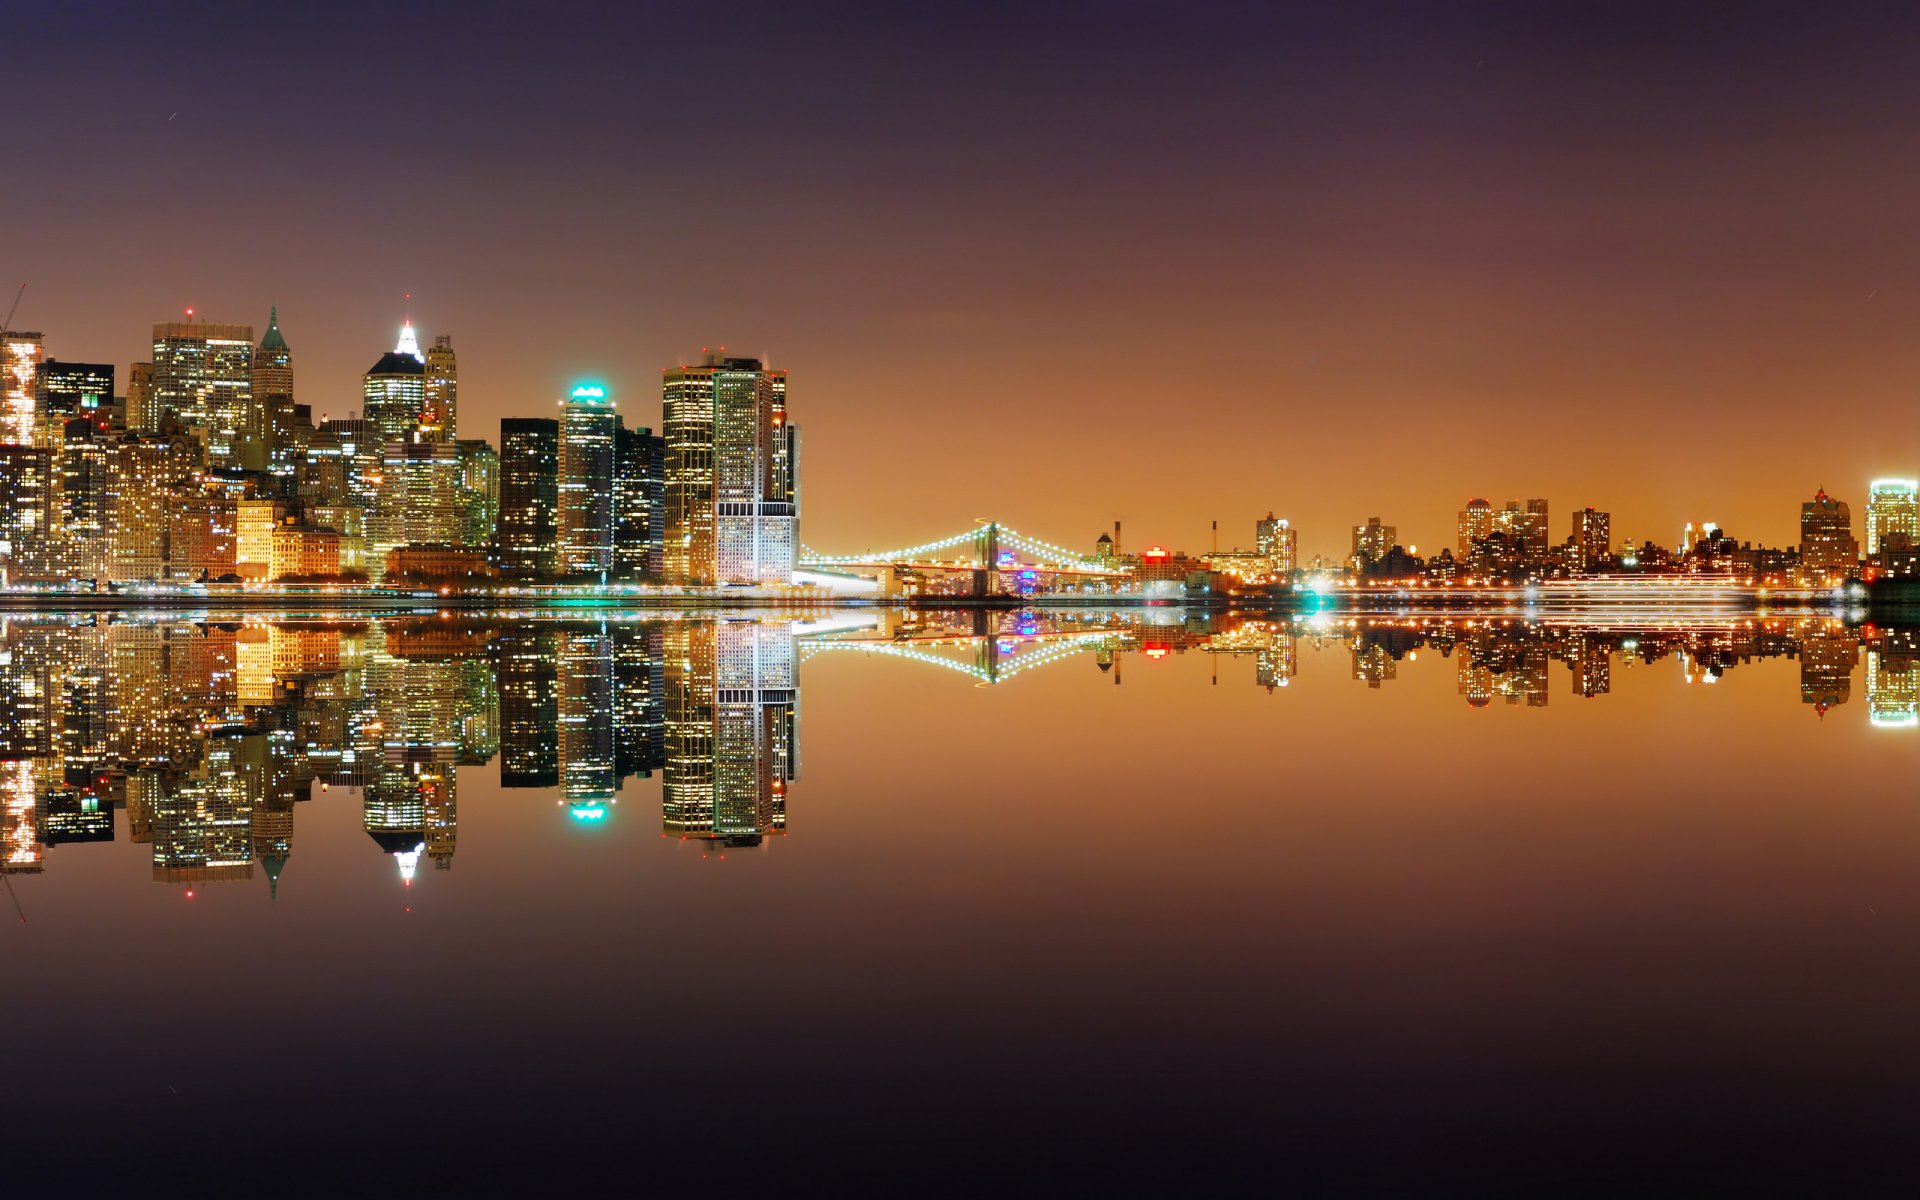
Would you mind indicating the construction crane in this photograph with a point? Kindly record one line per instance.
(8, 323)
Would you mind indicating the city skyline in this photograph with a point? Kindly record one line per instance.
(1470, 225)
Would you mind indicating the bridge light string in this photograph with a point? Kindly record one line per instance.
(1046, 552)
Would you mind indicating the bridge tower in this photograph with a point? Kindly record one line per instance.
(987, 578)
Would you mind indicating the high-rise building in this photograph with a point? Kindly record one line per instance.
(479, 491)
(585, 475)
(65, 390)
(1592, 538)
(1372, 541)
(584, 712)
(421, 501)
(270, 436)
(1476, 522)
(28, 494)
(1277, 542)
(1893, 506)
(732, 473)
(526, 539)
(639, 503)
(440, 400)
(143, 415)
(86, 506)
(20, 355)
(394, 392)
(203, 379)
(1525, 524)
(1828, 549)
(731, 731)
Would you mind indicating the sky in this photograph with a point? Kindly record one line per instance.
(1058, 264)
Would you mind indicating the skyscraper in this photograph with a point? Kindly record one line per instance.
(1828, 550)
(526, 539)
(440, 406)
(1476, 522)
(143, 415)
(203, 378)
(27, 498)
(1592, 538)
(270, 432)
(585, 482)
(732, 473)
(1372, 541)
(1276, 541)
(20, 355)
(639, 503)
(395, 389)
(65, 390)
(1893, 506)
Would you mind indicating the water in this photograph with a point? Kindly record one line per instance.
(1137, 902)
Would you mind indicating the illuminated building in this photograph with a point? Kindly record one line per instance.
(639, 503)
(1590, 658)
(479, 491)
(440, 395)
(20, 355)
(21, 851)
(1893, 689)
(639, 705)
(343, 464)
(203, 819)
(1476, 522)
(1276, 541)
(203, 378)
(253, 525)
(526, 539)
(1893, 506)
(731, 731)
(1592, 538)
(421, 501)
(526, 663)
(85, 508)
(585, 482)
(1828, 651)
(66, 390)
(732, 473)
(270, 429)
(200, 537)
(394, 812)
(27, 498)
(1525, 524)
(143, 415)
(585, 715)
(1373, 664)
(1828, 550)
(395, 391)
(1371, 542)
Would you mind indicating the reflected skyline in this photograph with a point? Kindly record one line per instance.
(211, 736)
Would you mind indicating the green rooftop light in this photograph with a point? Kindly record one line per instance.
(589, 391)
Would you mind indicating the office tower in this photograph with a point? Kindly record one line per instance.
(1592, 538)
(479, 491)
(526, 665)
(86, 504)
(731, 734)
(143, 414)
(203, 379)
(1371, 542)
(732, 473)
(639, 706)
(526, 541)
(1525, 524)
(440, 399)
(1476, 522)
(1893, 689)
(203, 820)
(1828, 551)
(1828, 651)
(585, 716)
(421, 501)
(27, 496)
(151, 475)
(65, 390)
(393, 812)
(394, 391)
(586, 459)
(343, 464)
(1893, 506)
(200, 537)
(20, 355)
(270, 435)
(1277, 542)
(639, 503)
(21, 851)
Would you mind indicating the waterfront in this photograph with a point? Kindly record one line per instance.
(1155, 899)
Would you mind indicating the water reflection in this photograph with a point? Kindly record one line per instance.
(211, 734)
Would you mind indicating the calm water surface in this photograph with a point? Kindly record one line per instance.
(1130, 902)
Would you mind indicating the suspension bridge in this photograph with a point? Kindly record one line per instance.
(1000, 559)
(986, 658)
